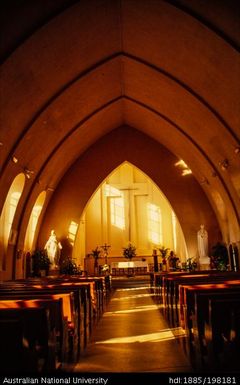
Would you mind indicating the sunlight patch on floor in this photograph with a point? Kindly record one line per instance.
(134, 288)
(133, 296)
(163, 335)
(135, 310)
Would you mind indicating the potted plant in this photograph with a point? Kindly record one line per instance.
(164, 254)
(129, 252)
(40, 262)
(219, 256)
(96, 255)
(191, 264)
(69, 267)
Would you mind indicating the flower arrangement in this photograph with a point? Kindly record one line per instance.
(130, 251)
(219, 256)
(40, 261)
(96, 255)
(105, 267)
(69, 267)
(191, 264)
(96, 252)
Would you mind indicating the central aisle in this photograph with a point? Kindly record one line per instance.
(133, 336)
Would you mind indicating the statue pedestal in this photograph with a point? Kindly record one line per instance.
(204, 263)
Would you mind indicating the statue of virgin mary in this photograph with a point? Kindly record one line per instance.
(202, 238)
(53, 248)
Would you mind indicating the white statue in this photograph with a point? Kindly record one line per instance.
(53, 248)
(202, 238)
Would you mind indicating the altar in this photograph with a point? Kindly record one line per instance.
(129, 267)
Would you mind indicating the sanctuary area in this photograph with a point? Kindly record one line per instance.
(119, 186)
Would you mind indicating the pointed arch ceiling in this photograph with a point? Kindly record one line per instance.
(76, 70)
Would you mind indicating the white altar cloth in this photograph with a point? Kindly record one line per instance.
(129, 264)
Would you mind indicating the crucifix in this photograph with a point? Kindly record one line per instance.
(105, 248)
(127, 192)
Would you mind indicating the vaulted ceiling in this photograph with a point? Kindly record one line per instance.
(72, 71)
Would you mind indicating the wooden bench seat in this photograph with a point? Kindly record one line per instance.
(194, 313)
(77, 309)
(36, 337)
(222, 332)
(187, 297)
(89, 298)
(172, 294)
(15, 357)
(58, 323)
(68, 325)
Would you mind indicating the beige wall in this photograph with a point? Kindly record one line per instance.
(136, 192)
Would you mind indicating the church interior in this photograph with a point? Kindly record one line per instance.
(120, 186)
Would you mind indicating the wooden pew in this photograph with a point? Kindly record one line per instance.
(222, 332)
(36, 340)
(187, 296)
(194, 304)
(89, 293)
(78, 311)
(58, 323)
(176, 295)
(159, 281)
(171, 294)
(15, 357)
(170, 282)
(25, 298)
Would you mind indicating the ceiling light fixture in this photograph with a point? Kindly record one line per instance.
(14, 159)
(237, 150)
(181, 164)
(28, 173)
(224, 164)
(185, 169)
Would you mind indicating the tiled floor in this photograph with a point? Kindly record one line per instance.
(133, 336)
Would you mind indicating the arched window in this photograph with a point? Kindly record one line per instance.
(154, 224)
(33, 221)
(7, 234)
(117, 210)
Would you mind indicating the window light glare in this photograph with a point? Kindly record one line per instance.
(181, 164)
(72, 231)
(112, 191)
(14, 159)
(185, 169)
(186, 172)
(154, 224)
(117, 206)
(73, 227)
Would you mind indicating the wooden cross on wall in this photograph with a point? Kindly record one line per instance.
(130, 190)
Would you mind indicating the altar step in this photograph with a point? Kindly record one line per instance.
(131, 282)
